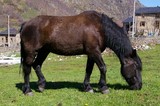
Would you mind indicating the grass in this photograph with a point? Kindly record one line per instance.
(64, 83)
(29, 14)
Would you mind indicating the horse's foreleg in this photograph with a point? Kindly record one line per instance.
(37, 67)
(89, 68)
(102, 67)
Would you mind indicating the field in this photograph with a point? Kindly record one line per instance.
(65, 75)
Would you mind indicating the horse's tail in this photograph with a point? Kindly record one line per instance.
(22, 27)
(22, 53)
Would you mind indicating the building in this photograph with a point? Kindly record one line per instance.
(14, 38)
(147, 21)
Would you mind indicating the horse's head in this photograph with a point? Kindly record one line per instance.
(131, 70)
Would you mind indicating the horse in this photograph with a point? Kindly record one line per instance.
(88, 33)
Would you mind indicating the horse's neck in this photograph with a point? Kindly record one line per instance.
(116, 38)
(120, 45)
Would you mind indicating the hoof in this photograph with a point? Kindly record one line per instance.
(88, 89)
(26, 90)
(29, 94)
(41, 85)
(105, 91)
(91, 91)
(41, 89)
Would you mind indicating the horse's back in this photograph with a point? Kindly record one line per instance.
(66, 35)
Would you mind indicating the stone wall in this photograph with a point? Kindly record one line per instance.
(14, 40)
(146, 25)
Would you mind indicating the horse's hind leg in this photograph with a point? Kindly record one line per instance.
(27, 60)
(42, 54)
(89, 68)
(26, 87)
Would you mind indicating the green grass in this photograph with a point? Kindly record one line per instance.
(64, 83)
(30, 13)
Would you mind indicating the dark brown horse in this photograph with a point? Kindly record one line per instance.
(87, 33)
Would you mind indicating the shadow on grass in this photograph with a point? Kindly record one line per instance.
(72, 85)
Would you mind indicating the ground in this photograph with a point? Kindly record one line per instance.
(64, 83)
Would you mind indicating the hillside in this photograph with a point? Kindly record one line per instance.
(22, 10)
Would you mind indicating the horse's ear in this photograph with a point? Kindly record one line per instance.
(134, 53)
(118, 22)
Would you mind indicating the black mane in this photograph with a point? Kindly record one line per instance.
(116, 38)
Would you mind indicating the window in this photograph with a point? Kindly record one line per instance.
(143, 16)
(157, 23)
(6, 39)
(142, 23)
(2, 39)
(11, 39)
(157, 15)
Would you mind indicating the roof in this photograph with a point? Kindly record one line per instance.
(147, 10)
(129, 19)
(13, 31)
(143, 10)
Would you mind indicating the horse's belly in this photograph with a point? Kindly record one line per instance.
(68, 49)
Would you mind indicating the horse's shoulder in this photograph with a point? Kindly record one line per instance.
(94, 15)
(90, 12)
